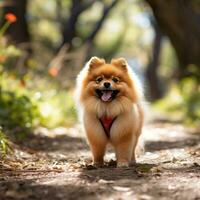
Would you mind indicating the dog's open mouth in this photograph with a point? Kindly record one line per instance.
(107, 95)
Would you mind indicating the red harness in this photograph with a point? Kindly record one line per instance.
(107, 122)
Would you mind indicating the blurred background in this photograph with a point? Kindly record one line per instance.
(44, 44)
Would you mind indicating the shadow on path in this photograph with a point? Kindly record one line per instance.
(164, 145)
(62, 143)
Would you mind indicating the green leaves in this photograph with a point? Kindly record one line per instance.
(18, 113)
(182, 102)
(3, 144)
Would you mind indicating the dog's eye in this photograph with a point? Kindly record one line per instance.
(99, 79)
(115, 79)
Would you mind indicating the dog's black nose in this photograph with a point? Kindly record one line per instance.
(106, 84)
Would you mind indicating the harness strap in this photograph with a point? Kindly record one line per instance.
(106, 123)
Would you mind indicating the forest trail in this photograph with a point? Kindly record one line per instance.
(54, 165)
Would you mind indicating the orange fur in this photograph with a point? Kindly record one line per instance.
(126, 108)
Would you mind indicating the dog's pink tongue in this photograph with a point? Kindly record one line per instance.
(106, 96)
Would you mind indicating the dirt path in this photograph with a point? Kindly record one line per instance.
(55, 165)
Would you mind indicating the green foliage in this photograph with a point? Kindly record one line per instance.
(4, 147)
(190, 91)
(182, 102)
(56, 108)
(18, 114)
(8, 53)
(17, 111)
(23, 109)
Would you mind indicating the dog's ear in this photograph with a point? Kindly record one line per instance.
(120, 62)
(95, 62)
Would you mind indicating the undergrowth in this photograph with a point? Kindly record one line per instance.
(182, 102)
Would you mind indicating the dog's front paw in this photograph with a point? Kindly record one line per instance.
(122, 164)
(98, 164)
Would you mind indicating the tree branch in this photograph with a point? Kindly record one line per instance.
(69, 30)
(99, 24)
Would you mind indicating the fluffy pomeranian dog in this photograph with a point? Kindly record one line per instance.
(110, 99)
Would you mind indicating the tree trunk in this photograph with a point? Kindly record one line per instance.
(180, 21)
(152, 68)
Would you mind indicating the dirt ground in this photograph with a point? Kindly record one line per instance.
(56, 165)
